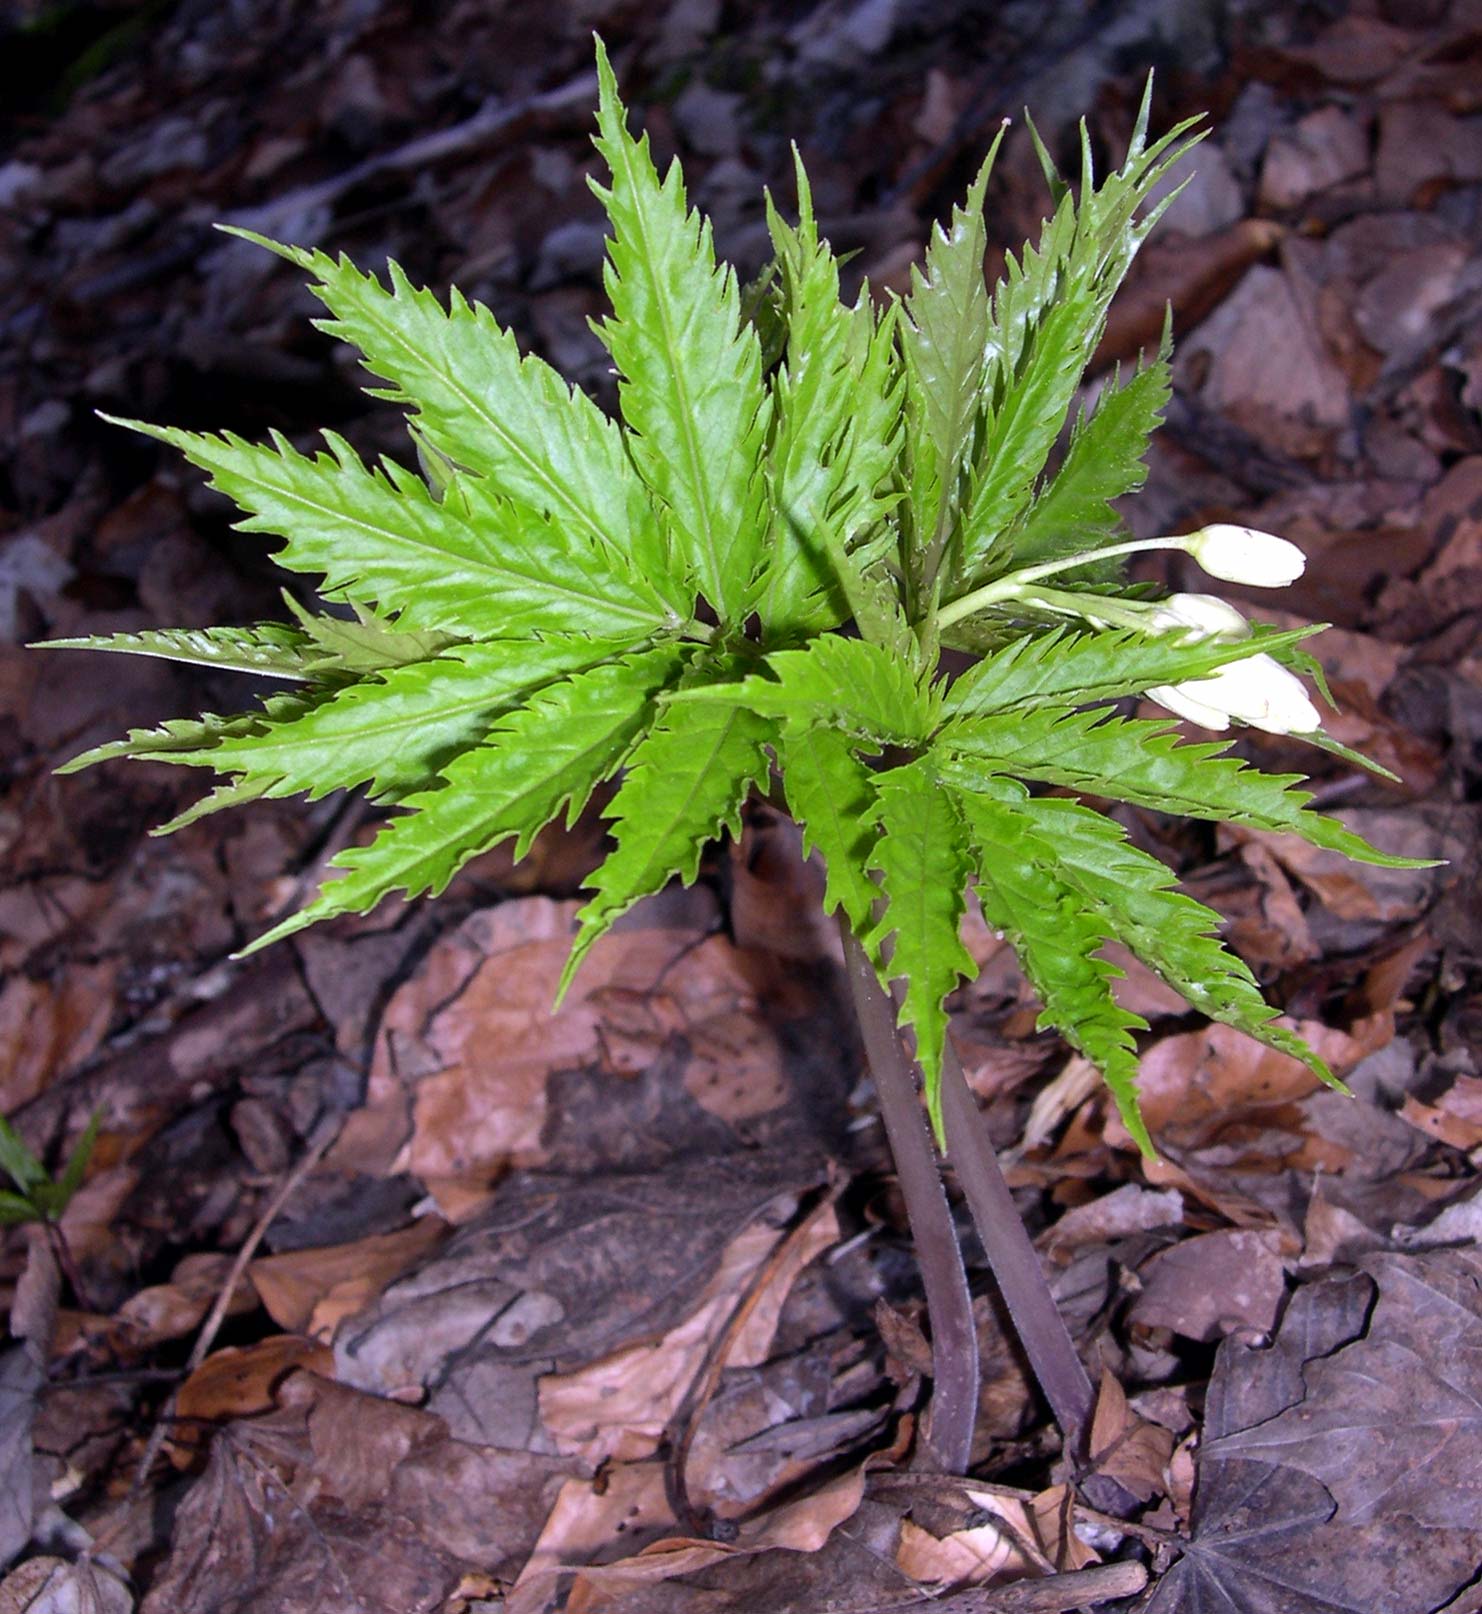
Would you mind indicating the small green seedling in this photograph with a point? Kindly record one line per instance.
(38, 1196)
(752, 576)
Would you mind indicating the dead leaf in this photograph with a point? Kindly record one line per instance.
(171, 1310)
(311, 1291)
(47, 1027)
(1212, 1285)
(1339, 1467)
(339, 1499)
(617, 1407)
(239, 1380)
(1455, 1117)
(54, 1586)
(1127, 1448)
(556, 1272)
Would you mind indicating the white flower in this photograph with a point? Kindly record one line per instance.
(1243, 555)
(1257, 691)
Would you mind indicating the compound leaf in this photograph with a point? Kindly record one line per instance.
(848, 684)
(1047, 318)
(395, 730)
(836, 409)
(270, 649)
(1069, 665)
(1170, 932)
(380, 538)
(1105, 461)
(945, 333)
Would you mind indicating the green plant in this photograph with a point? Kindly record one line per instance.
(40, 1197)
(756, 573)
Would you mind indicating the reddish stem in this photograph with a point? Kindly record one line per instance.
(954, 1340)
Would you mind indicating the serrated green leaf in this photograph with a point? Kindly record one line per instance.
(687, 780)
(514, 420)
(1057, 935)
(191, 733)
(835, 682)
(1169, 931)
(547, 755)
(691, 376)
(1140, 761)
(366, 643)
(271, 649)
(837, 415)
(831, 794)
(237, 794)
(1105, 461)
(381, 539)
(944, 336)
(395, 730)
(1048, 316)
(1065, 665)
(921, 855)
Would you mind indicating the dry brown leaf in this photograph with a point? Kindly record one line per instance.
(1210, 1285)
(1128, 1448)
(171, 1310)
(53, 1586)
(965, 1558)
(468, 1045)
(240, 1380)
(803, 1526)
(310, 1291)
(617, 1408)
(342, 1499)
(1269, 371)
(1317, 152)
(47, 1027)
(1455, 1118)
(1125, 1210)
(587, 1519)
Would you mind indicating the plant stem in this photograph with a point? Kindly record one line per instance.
(954, 1340)
(1016, 1266)
(1015, 583)
(62, 1252)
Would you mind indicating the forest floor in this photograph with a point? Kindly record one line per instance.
(386, 1290)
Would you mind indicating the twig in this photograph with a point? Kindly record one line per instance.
(1054, 1594)
(319, 1140)
(954, 1340)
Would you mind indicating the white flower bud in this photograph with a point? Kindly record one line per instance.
(1243, 555)
(1203, 612)
(1257, 691)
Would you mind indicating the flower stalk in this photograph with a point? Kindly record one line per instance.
(1233, 554)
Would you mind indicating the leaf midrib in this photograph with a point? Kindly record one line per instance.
(676, 375)
(424, 545)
